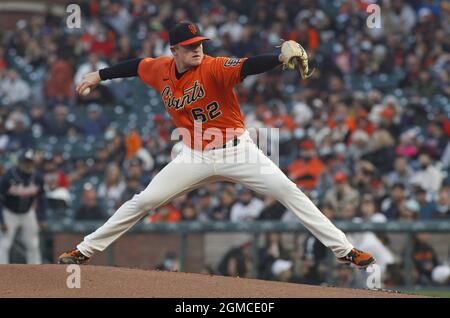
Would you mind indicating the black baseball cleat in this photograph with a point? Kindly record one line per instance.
(358, 258)
(72, 257)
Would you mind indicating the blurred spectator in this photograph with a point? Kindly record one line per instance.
(426, 207)
(390, 207)
(4, 137)
(247, 208)
(272, 251)
(50, 165)
(204, 204)
(394, 276)
(402, 173)
(133, 186)
(305, 172)
(424, 258)
(101, 159)
(59, 84)
(344, 277)
(400, 18)
(116, 149)
(223, 210)
(95, 124)
(101, 94)
(407, 146)
(341, 194)
(283, 271)
(435, 139)
(335, 161)
(59, 125)
(167, 213)
(382, 153)
(19, 136)
(113, 186)
(359, 145)
(442, 206)
(135, 149)
(14, 89)
(170, 263)
(189, 213)
(236, 262)
(38, 119)
(409, 210)
(371, 242)
(369, 210)
(429, 177)
(134, 171)
(90, 208)
(273, 209)
(92, 64)
(314, 257)
(58, 197)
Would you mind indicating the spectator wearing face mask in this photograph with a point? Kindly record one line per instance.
(428, 177)
(390, 206)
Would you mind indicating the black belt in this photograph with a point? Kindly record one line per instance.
(234, 144)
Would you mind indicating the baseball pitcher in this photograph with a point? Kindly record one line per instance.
(198, 93)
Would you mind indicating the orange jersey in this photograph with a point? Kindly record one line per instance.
(204, 94)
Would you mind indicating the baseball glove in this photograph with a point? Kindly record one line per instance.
(294, 56)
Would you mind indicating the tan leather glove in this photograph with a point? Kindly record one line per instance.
(294, 56)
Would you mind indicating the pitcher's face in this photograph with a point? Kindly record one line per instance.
(189, 55)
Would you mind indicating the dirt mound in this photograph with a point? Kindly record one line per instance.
(100, 281)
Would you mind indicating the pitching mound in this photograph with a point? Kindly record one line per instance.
(100, 281)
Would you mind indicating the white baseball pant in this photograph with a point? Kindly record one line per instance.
(29, 235)
(245, 164)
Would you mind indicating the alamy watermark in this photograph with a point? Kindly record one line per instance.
(373, 281)
(253, 146)
(73, 20)
(373, 21)
(74, 278)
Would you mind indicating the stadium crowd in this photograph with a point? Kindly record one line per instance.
(367, 137)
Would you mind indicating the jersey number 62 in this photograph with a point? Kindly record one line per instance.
(212, 112)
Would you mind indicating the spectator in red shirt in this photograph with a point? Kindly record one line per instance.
(59, 84)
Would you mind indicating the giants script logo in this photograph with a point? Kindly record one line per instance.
(192, 28)
(190, 95)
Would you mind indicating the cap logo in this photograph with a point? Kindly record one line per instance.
(192, 28)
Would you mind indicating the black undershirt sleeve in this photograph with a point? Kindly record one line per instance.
(259, 64)
(253, 65)
(127, 68)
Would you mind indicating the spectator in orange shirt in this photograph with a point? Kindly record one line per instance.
(305, 172)
(167, 213)
(279, 118)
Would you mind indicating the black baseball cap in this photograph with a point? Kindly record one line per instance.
(185, 33)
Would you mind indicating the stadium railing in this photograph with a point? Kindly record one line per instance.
(257, 228)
